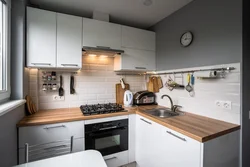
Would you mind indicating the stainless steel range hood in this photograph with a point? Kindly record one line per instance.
(99, 50)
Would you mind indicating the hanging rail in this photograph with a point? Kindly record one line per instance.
(192, 71)
(173, 72)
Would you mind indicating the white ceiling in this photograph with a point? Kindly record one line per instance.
(127, 12)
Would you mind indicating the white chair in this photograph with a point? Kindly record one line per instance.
(51, 149)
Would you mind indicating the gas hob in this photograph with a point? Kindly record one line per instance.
(96, 109)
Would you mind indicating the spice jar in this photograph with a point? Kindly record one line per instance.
(44, 87)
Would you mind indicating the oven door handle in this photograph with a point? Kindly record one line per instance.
(107, 128)
(102, 132)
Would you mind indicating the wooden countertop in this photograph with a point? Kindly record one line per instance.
(64, 115)
(194, 126)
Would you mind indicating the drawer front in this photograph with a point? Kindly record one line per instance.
(51, 150)
(42, 134)
(117, 159)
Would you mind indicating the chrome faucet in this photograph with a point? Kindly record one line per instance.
(173, 107)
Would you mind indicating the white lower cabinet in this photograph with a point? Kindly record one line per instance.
(146, 142)
(117, 159)
(159, 146)
(177, 150)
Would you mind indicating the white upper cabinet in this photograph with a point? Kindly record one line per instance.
(139, 47)
(69, 41)
(138, 39)
(100, 33)
(134, 59)
(41, 38)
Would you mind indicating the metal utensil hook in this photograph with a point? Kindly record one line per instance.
(73, 73)
(182, 79)
(223, 73)
(174, 76)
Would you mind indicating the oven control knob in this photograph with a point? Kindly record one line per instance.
(119, 124)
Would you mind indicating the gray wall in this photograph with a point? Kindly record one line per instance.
(245, 117)
(8, 137)
(217, 31)
(19, 86)
(19, 75)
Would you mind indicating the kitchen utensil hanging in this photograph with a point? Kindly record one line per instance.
(192, 93)
(72, 84)
(189, 88)
(169, 82)
(61, 91)
(172, 84)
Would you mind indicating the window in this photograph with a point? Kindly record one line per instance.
(4, 51)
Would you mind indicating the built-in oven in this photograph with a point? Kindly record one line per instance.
(107, 137)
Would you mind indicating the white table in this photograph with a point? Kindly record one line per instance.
(89, 158)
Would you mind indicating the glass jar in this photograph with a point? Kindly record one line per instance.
(54, 87)
(44, 88)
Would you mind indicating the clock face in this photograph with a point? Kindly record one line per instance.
(186, 39)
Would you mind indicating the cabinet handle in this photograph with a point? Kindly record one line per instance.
(26, 152)
(110, 158)
(74, 65)
(183, 139)
(142, 68)
(49, 148)
(40, 64)
(52, 127)
(103, 47)
(146, 121)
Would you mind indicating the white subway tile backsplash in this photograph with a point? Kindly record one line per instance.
(95, 101)
(33, 93)
(95, 83)
(33, 79)
(105, 96)
(207, 91)
(87, 97)
(91, 88)
(98, 67)
(33, 71)
(73, 97)
(33, 86)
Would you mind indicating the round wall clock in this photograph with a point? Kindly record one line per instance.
(186, 39)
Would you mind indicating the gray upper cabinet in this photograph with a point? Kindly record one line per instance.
(100, 33)
(69, 41)
(41, 38)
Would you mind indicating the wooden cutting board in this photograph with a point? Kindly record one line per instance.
(153, 84)
(160, 85)
(29, 104)
(120, 92)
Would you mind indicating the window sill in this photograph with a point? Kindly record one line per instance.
(10, 105)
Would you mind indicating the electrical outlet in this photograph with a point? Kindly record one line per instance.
(227, 105)
(218, 103)
(58, 98)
